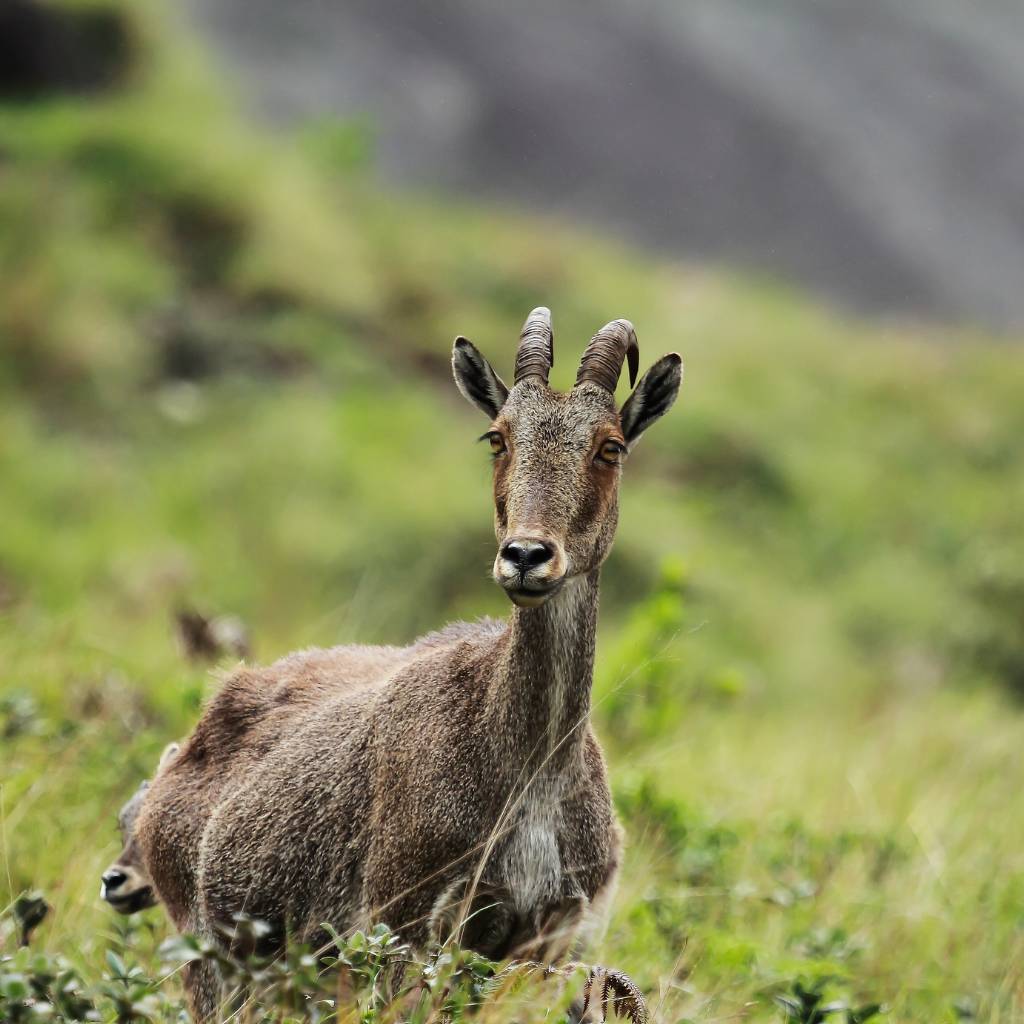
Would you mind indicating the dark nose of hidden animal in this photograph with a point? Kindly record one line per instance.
(112, 879)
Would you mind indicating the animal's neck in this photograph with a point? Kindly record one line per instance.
(547, 673)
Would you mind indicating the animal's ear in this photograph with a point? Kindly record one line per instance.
(169, 751)
(653, 396)
(476, 379)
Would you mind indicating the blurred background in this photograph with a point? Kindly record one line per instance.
(236, 241)
(869, 151)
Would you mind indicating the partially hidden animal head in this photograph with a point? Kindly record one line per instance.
(558, 457)
(125, 885)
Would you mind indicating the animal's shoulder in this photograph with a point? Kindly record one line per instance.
(453, 661)
(483, 629)
(335, 669)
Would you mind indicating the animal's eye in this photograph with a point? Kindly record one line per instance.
(612, 452)
(496, 441)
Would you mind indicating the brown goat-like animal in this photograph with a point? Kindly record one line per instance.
(453, 787)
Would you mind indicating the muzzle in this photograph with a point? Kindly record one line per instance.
(126, 889)
(530, 569)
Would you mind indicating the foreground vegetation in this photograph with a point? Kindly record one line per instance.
(224, 384)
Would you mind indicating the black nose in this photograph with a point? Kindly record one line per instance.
(113, 878)
(527, 554)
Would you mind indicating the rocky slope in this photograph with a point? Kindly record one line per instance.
(874, 151)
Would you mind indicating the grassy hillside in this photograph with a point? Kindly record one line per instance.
(224, 383)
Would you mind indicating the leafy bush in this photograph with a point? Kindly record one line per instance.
(807, 1003)
(367, 976)
(38, 987)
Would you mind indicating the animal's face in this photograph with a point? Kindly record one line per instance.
(125, 884)
(558, 457)
(557, 462)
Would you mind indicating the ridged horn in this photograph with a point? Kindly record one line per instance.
(603, 358)
(536, 353)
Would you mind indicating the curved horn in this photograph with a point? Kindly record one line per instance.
(602, 360)
(536, 353)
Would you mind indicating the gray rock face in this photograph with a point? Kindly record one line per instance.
(872, 149)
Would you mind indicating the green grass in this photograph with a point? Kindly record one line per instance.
(223, 381)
